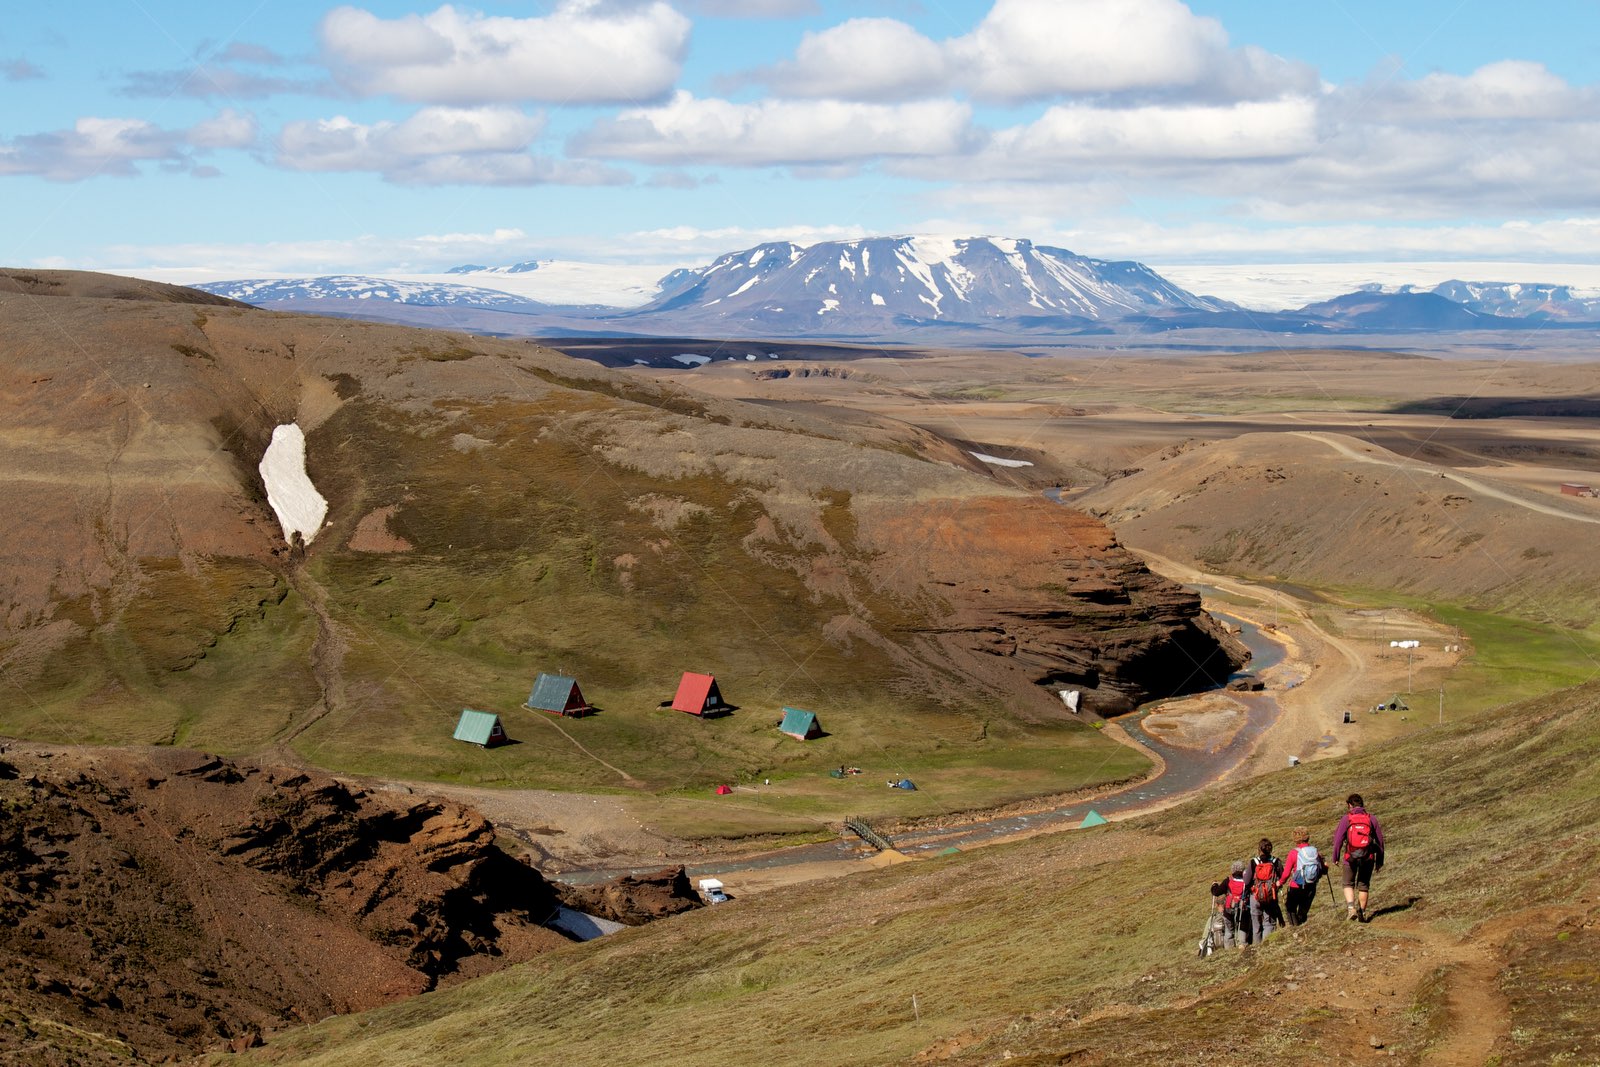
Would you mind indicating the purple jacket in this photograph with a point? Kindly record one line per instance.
(1339, 843)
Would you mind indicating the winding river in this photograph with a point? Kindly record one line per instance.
(1186, 771)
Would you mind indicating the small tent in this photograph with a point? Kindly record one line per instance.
(480, 728)
(904, 783)
(800, 725)
(724, 790)
(698, 695)
(557, 694)
(1094, 818)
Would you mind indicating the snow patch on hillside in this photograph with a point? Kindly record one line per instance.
(299, 507)
(997, 461)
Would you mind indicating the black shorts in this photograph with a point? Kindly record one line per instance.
(1358, 873)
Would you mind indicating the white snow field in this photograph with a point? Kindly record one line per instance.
(299, 507)
(999, 461)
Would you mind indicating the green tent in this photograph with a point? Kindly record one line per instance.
(1094, 818)
(479, 728)
(801, 725)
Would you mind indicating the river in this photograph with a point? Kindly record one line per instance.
(1186, 771)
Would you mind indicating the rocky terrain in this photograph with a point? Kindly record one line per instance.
(164, 901)
(161, 901)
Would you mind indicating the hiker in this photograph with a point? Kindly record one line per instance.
(1231, 906)
(1265, 872)
(1358, 849)
(1214, 923)
(1302, 868)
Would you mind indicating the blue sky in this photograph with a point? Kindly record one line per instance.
(276, 136)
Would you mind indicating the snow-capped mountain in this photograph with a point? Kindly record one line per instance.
(1521, 300)
(914, 289)
(874, 285)
(359, 287)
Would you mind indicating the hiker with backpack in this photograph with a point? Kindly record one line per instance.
(1302, 869)
(1358, 849)
(1265, 874)
(1230, 903)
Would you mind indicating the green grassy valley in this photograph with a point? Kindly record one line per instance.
(1080, 947)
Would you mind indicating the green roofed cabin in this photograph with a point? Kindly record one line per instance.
(559, 695)
(800, 725)
(480, 728)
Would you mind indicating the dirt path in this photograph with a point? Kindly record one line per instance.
(327, 656)
(1477, 1011)
(1344, 448)
(618, 771)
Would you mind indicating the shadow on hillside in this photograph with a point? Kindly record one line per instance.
(1390, 909)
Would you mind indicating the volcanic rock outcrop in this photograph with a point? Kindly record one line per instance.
(163, 901)
(1046, 593)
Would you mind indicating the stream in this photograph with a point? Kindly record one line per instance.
(1186, 771)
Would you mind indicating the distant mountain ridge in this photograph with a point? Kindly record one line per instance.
(915, 288)
(1519, 299)
(361, 287)
(878, 284)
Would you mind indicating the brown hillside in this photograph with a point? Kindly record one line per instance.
(1335, 510)
(167, 901)
(89, 285)
(496, 509)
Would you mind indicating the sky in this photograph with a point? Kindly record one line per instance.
(286, 137)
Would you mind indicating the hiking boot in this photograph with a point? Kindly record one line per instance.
(1361, 915)
(1352, 913)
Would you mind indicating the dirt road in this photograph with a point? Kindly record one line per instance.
(1345, 448)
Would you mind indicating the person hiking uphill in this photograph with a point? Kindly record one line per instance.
(1302, 869)
(1265, 872)
(1358, 849)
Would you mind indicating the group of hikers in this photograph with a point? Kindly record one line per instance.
(1263, 893)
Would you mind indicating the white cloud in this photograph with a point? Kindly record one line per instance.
(1026, 50)
(583, 52)
(227, 129)
(1510, 89)
(776, 132)
(862, 59)
(437, 146)
(1078, 133)
(115, 147)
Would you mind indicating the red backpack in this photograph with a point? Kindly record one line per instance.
(1235, 893)
(1358, 834)
(1266, 881)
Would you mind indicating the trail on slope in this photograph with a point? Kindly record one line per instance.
(624, 775)
(327, 655)
(1349, 451)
